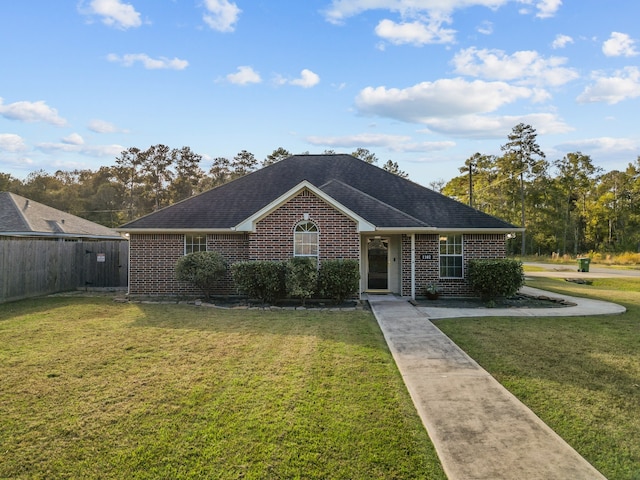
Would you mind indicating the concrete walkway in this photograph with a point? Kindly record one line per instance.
(479, 429)
(584, 306)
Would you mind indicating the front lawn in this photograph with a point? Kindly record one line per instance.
(581, 375)
(94, 389)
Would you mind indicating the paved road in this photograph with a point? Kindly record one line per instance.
(571, 271)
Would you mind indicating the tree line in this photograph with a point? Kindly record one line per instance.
(568, 206)
(143, 181)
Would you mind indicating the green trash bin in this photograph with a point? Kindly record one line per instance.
(583, 264)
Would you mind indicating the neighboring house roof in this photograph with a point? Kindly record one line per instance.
(387, 201)
(20, 216)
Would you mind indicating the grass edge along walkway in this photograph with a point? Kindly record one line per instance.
(580, 375)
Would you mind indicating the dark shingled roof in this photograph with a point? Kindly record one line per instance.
(382, 198)
(20, 216)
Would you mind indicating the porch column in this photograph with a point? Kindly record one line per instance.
(413, 266)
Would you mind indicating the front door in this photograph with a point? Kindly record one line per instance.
(378, 262)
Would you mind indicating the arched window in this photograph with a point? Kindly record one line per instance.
(305, 240)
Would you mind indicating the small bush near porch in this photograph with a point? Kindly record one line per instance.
(94, 389)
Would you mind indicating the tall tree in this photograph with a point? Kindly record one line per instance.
(220, 172)
(393, 167)
(157, 173)
(277, 155)
(575, 180)
(477, 164)
(522, 147)
(437, 185)
(188, 174)
(128, 171)
(365, 155)
(8, 183)
(243, 163)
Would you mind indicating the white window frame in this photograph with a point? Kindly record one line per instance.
(195, 242)
(451, 248)
(303, 232)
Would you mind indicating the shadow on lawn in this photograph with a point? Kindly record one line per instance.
(353, 327)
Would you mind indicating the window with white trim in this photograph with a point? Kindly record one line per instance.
(195, 243)
(451, 256)
(305, 240)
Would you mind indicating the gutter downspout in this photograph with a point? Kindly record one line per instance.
(413, 266)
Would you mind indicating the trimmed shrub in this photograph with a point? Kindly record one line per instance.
(260, 279)
(202, 269)
(493, 278)
(301, 277)
(339, 279)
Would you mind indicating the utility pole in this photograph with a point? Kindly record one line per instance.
(471, 165)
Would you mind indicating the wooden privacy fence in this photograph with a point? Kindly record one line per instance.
(31, 267)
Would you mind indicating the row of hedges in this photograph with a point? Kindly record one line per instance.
(270, 281)
(297, 277)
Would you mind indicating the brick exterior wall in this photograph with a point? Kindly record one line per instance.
(273, 240)
(152, 260)
(153, 256)
(428, 271)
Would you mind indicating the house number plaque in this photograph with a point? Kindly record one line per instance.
(425, 256)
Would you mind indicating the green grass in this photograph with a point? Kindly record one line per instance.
(581, 375)
(94, 389)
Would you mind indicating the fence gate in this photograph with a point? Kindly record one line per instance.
(31, 267)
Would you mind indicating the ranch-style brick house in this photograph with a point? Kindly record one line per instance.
(404, 236)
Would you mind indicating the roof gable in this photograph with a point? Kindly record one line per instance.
(248, 224)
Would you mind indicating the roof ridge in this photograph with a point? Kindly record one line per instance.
(377, 200)
(17, 208)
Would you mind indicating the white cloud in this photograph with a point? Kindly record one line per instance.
(485, 28)
(222, 15)
(422, 147)
(114, 13)
(340, 10)
(31, 112)
(307, 79)
(547, 8)
(414, 33)
(10, 142)
(625, 84)
(100, 126)
(73, 139)
(602, 146)
(422, 20)
(83, 149)
(395, 143)
(244, 76)
(561, 41)
(442, 98)
(147, 62)
(619, 45)
(526, 66)
(485, 126)
(359, 140)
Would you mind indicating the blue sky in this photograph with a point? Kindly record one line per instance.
(426, 83)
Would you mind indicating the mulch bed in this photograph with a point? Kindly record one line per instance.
(518, 301)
